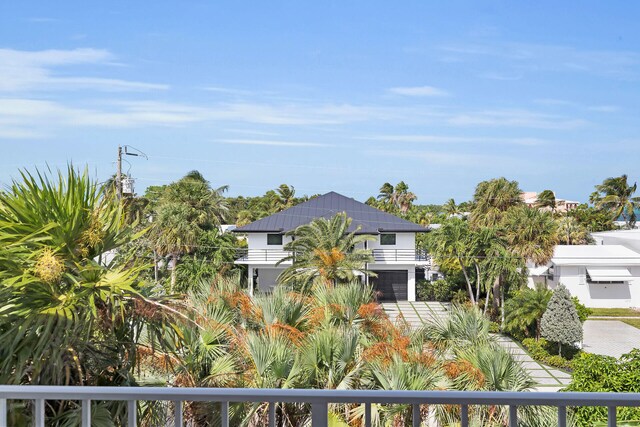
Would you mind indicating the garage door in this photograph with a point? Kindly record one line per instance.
(391, 285)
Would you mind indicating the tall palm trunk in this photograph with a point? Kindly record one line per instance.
(174, 272)
(466, 278)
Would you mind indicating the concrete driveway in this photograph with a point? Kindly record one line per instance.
(610, 337)
(416, 313)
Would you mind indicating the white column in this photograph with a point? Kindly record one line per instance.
(411, 284)
(250, 279)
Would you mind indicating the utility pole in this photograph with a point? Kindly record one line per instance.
(119, 174)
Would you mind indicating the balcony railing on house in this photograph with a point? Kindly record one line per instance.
(379, 255)
(318, 401)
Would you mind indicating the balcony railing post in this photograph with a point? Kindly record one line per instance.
(3, 412)
(319, 414)
(562, 416)
(415, 419)
(132, 414)
(39, 413)
(272, 414)
(611, 417)
(464, 416)
(86, 413)
(367, 414)
(513, 416)
(224, 414)
(177, 413)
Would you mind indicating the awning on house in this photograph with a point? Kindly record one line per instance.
(538, 271)
(609, 274)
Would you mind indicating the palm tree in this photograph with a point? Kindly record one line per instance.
(546, 199)
(530, 234)
(450, 207)
(403, 197)
(286, 196)
(526, 309)
(618, 198)
(386, 195)
(571, 232)
(452, 245)
(325, 249)
(492, 199)
(186, 209)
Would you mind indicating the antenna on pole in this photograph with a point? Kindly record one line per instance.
(125, 186)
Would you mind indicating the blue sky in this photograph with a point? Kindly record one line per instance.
(326, 95)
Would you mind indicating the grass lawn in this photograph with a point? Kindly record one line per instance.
(615, 312)
(633, 322)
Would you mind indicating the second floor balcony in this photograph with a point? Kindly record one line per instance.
(381, 256)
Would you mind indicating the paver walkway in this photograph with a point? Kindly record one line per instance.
(417, 313)
(610, 337)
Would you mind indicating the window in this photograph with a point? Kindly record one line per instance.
(274, 239)
(387, 239)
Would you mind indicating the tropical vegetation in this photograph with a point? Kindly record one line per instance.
(98, 290)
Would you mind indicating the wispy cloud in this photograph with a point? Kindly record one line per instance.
(515, 118)
(536, 57)
(445, 158)
(447, 140)
(604, 108)
(35, 71)
(418, 91)
(273, 143)
(565, 103)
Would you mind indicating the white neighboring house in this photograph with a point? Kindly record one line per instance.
(628, 238)
(394, 248)
(601, 276)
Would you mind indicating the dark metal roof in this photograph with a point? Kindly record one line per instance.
(370, 220)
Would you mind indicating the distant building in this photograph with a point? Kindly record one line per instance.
(396, 261)
(602, 276)
(562, 205)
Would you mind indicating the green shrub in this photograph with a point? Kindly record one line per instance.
(583, 311)
(438, 290)
(558, 362)
(594, 373)
(460, 297)
(541, 351)
(494, 327)
(537, 349)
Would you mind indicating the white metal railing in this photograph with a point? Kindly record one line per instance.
(318, 399)
(379, 255)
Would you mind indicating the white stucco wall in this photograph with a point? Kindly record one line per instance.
(598, 295)
(403, 241)
(259, 241)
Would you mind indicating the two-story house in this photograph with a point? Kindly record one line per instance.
(396, 259)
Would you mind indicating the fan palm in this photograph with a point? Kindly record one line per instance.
(546, 199)
(492, 198)
(571, 232)
(617, 197)
(525, 310)
(324, 249)
(531, 234)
